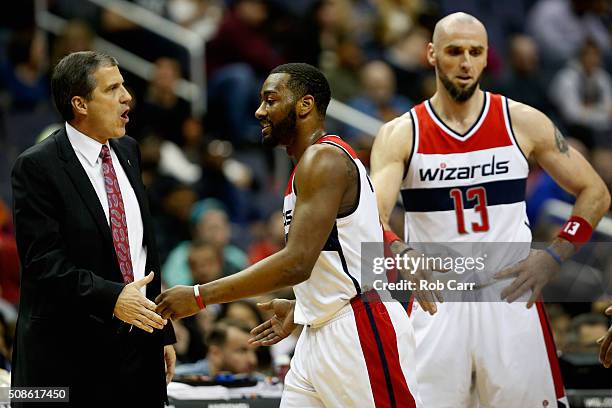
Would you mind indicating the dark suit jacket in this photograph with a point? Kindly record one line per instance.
(66, 334)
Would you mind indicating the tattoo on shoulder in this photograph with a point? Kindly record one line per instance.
(561, 143)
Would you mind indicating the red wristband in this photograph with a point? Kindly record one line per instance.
(390, 236)
(576, 230)
(198, 297)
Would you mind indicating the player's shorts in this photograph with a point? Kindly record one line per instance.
(487, 354)
(362, 357)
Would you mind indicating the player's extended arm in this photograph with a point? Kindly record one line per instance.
(321, 180)
(540, 139)
(390, 154)
(389, 158)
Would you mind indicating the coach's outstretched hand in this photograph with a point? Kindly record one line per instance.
(278, 326)
(177, 302)
(533, 273)
(134, 308)
(605, 351)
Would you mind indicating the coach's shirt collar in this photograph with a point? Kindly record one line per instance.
(88, 147)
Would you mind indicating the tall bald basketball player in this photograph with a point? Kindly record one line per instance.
(499, 353)
(355, 351)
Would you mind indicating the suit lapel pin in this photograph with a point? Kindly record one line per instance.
(129, 164)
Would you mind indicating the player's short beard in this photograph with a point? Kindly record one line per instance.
(281, 133)
(458, 94)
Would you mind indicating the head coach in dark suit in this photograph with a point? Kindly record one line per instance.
(84, 233)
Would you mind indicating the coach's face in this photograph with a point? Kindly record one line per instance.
(106, 113)
(276, 113)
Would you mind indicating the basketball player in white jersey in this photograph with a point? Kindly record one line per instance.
(460, 162)
(354, 350)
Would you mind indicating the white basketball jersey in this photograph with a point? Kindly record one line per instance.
(467, 187)
(336, 276)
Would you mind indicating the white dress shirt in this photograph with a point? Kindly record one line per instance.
(88, 152)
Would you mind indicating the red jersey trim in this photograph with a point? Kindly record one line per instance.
(289, 188)
(337, 140)
(488, 132)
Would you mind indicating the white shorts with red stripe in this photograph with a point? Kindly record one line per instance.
(361, 357)
(487, 354)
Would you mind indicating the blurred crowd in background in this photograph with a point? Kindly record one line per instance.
(216, 194)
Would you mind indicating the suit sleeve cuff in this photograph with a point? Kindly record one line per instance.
(169, 336)
(105, 297)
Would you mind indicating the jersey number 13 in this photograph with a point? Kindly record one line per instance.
(477, 194)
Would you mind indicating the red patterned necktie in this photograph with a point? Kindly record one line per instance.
(116, 213)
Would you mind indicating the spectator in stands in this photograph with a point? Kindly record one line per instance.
(380, 98)
(559, 323)
(6, 222)
(243, 310)
(171, 203)
(395, 18)
(605, 351)
(193, 142)
(523, 81)
(204, 261)
(24, 75)
(246, 311)
(201, 16)
(560, 27)
(163, 158)
(237, 57)
(205, 265)
(407, 56)
(325, 25)
(211, 225)
(118, 29)
(582, 91)
(75, 36)
(228, 352)
(271, 238)
(190, 333)
(343, 74)
(6, 344)
(585, 330)
(9, 258)
(161, 110)
(227, 180)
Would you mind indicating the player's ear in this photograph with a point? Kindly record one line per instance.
(305, 105)
(431, 54)
(79, 105)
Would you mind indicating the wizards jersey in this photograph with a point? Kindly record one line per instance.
(336, 276)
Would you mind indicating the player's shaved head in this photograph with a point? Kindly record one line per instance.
(459, 52)
(456, 25)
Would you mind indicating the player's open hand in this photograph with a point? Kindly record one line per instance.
(278, 326)
(134, 308)
(532, 273)
(605, 350)
(427, 298)
(177, 303)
